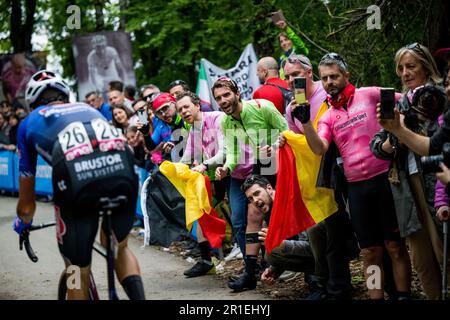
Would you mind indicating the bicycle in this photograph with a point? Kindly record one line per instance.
(105, 205)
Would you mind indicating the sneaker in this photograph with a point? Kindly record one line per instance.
(246, 282)
(233, 255)
(316, 293)
(288, 275)
(194, 252)
(201, 268)
(188, 244)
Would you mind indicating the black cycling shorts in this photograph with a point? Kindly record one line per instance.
(372, 211)
(76, 209)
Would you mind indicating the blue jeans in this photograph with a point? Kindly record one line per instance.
(238, 204)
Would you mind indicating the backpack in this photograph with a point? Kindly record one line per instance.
(287, 95)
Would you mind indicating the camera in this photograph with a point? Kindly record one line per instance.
(431, 163)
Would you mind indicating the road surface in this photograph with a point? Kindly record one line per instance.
(162, 272)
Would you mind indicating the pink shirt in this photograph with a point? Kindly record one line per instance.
(15, 84)
(352, 130)
(315, 101)
(207, 145)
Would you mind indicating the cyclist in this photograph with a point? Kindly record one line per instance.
(90, 160)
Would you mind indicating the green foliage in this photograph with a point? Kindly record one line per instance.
(170, 37)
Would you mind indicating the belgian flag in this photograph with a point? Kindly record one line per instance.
(175, 198)
(298, 203)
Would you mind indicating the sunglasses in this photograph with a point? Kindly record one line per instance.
(177, 83)
(335, 57)
(151, 97)
(227, 79)
(299, 60)
(415, 47)
(162, 111)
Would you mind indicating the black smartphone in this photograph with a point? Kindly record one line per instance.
(300, 89)
(387, 101)
(252, 237)
(277, 16)
(142, 115)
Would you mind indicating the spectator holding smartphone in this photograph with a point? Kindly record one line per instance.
(414, 190)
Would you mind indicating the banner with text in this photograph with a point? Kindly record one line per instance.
(244, 73)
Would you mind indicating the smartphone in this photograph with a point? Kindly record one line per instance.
(300, 90)
(387, 101)
(252, 237)
(142, 115)
(277, 16)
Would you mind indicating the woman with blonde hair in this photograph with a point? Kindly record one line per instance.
(422, 104)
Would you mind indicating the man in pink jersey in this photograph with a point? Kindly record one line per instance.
(332, 277)
(351, 122)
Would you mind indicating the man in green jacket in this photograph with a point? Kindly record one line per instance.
(255, 125)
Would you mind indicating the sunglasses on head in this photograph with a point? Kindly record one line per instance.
(227, 79)
(177, 83)
(335, 57)
(299, 60)
(415, 47)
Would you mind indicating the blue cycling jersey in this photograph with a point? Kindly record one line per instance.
(162, 131)
(38, 132)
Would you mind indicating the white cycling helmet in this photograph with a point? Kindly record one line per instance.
(42, 80)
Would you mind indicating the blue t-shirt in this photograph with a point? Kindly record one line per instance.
(106, 111)
(38, 132)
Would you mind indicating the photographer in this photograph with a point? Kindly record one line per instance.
(412, 188)
(444, 178)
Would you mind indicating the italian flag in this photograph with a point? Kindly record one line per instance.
(203, 90)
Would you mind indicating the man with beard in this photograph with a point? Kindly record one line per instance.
(330, 237)
(169, 127)
(272, 84)
(204, 151)
(256, 123)
(292, 254)
(351, 122)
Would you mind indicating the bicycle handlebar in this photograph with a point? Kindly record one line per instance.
(24, 239)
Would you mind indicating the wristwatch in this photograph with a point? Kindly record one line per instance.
(206, 165)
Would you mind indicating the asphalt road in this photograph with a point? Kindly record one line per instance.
(162, 272)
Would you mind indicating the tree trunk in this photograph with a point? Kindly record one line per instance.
(20, 34)
(99, 17)
(439, 28)
(123, 4)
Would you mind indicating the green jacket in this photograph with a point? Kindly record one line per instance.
(299, 47)
(260, 125)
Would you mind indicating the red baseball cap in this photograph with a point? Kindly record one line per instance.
(162, 99)
(442, 53)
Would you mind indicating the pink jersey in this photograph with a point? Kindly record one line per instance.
(15, 84)
(352, 130)
(315, 101)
